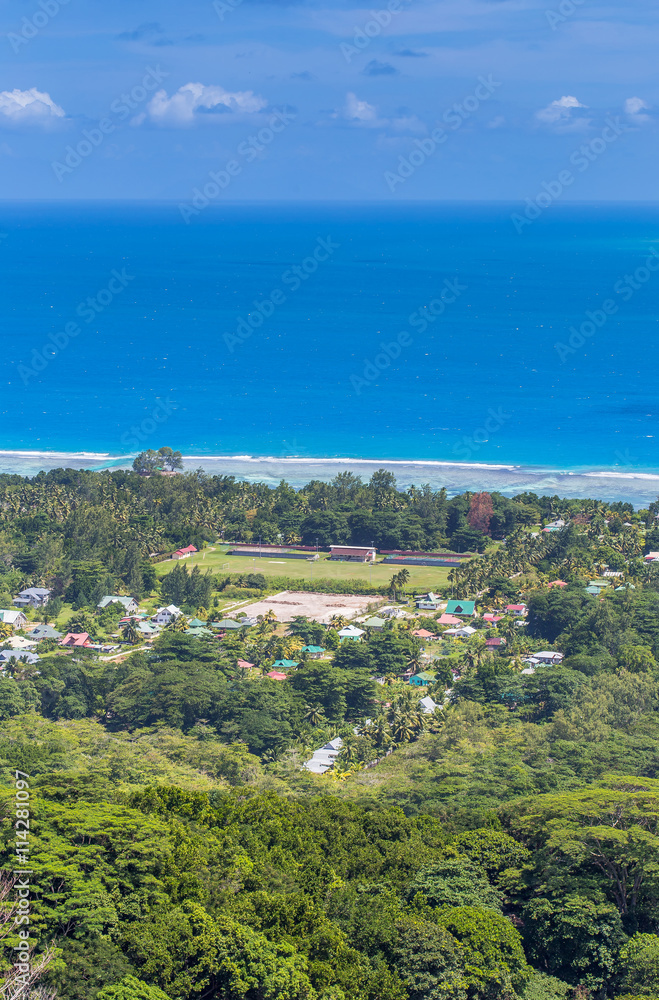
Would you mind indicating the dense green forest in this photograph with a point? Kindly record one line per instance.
(505, 845)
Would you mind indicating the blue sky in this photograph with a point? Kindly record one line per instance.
(325, 101)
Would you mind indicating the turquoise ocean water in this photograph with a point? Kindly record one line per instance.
(385, 333)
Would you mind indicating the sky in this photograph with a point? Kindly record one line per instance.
(304, 100)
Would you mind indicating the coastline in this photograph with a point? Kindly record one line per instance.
(637, 486)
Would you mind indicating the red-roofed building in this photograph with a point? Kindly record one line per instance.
(498, 641)
(276, 675)
(245, 664)
(75, 639)
(557, 583)
(449, 620)
(516, 609)
(184, 553)
(423, 633)
(352, 553)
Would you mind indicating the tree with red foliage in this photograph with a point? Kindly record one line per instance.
(480, 513)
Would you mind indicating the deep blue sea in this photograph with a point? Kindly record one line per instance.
(469, 312)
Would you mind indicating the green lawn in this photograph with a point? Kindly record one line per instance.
(421, 577)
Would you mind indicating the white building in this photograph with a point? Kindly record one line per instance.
(164, 616)
(325, 757)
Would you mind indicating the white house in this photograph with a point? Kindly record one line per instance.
(13, 617)
(129, 604)
(325, 757)
(548, 656)
(163, 616)
(461, 633)
(33, 597)
(350, 632)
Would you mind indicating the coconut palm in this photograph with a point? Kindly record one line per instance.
(314, 715)
(130, 633)
(338, 622)
(178, 624)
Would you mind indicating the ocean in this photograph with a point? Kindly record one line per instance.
(296, 340)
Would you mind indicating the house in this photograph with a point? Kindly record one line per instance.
(422, 679)
(352, 553)
(613, 573)
(20, 642)
(350, 632)
(246, 665)
(625, 586)
(460, 633)
(197, 623)
(448, 620)
(13, 617)
(595, 591)
(428, 705)
(547, 656)
(40, 632)
(276, 675)
(516, 609)
(129, 604)
(227, 624)
(325, 757)
(393, 613)
(423, 633)
(284, 665)
(313, 652)
(33, 597)
(429, 602)
(198, 632)
(164, 616)
(184, 553)
(375, 623)
(9, 655)
(493, 643)
(76, 639)
(147, 629)
(491, 618)
(557, 583)
(652, 557)
(559, 523)
(466, 609)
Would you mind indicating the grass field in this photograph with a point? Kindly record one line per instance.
(421, 577)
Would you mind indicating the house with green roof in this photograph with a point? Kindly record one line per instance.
(465, 609)
(422, 679)
(40, 632)
(227, 623)
(375, 623)
(284, 664)
(313, 652)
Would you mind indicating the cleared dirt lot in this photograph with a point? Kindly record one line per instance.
(321, 607)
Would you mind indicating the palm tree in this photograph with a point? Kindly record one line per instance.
(130, 633)
(402, 728)
(338, 622)
(314, 715)
(5, 630)
(178, 624)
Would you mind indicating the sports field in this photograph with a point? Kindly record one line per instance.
(422, 578)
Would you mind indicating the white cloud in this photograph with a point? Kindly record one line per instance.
(28, 107)
(559, 111)
(359, 111)
(633, 108)
(195, 100)
(560, 115)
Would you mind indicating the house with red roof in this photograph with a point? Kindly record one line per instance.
(184, 553)
(557, 583)
(423, 633)
(276, 675)
(516, 609)
(76, 639)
